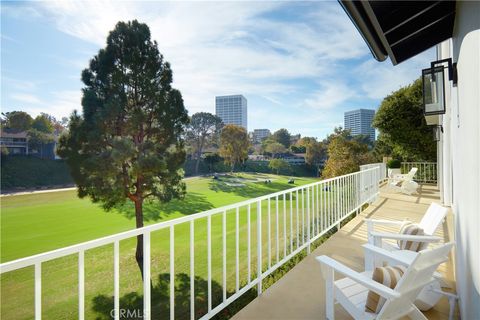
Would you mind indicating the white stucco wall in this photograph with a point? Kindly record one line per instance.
(461, 153)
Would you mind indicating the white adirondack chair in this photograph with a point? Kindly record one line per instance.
(433, 218)
(431, 293)
(404, 182)
(351, 292)
(404, 177)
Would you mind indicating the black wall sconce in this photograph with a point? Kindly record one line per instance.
(434, 85)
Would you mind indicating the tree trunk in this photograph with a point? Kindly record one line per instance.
(196, 165)
(199, 155)
(139, 224)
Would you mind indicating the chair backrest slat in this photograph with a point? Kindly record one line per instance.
(411, 174)
(433, 218)
(418, 274)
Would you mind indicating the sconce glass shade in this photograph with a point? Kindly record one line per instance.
(437, 132)
(433, 91)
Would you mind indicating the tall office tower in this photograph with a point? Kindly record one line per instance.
(360, 122)
(232, 109)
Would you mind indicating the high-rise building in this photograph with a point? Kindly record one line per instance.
(232, 109)
(360, 122)
(260, 134)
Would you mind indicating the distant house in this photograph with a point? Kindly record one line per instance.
(16, 143)
(257, 157)
(292, 159)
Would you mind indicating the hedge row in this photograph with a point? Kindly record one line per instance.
(30, 172)
(249, 166)
(19, 172)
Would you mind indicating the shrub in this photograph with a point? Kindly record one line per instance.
(31, 172)
(394, 164)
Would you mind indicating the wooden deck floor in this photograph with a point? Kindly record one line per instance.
(300, 294)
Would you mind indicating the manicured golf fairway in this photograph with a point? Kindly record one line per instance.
(36, 223)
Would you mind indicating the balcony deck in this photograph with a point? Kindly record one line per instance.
(300, 294)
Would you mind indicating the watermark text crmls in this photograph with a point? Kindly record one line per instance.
(128, 313)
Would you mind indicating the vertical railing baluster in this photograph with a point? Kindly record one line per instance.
(38, 291)
(284, 225)
(192, 270)
(291, 222)
(276, 229)
(335, 207)
(329, 206)
(116, 279)
(81, 285)
(237, 244)
(249, 262)
(352, 190)
(209, 259)
(337, 201)
(303, 216)
(297, 225)
(172, 272)
(146, 276)
(259, 247)
(327, 203)
(323, 197)
(340, 194)
(318, 209)
(347, 193)
(308, 220)
(224, 251)
(312, 212)
(269, 232)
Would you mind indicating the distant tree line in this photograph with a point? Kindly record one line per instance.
(40, 130)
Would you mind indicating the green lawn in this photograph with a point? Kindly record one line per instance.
(36, 223)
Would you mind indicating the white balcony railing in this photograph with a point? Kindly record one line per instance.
(383, 169)
(427, 171)
(294, 219)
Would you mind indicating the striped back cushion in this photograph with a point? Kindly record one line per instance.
(388, 276)
(414, 230)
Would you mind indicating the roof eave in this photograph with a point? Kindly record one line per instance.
(362, 22)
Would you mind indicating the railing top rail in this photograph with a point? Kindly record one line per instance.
(427, 162)
(76, 248)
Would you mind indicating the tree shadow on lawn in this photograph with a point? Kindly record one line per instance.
(160, 299)
(248, 190)
(153, 210)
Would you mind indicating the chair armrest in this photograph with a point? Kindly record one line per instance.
(367, 282)
(385, 254)
(395, 236)
(386, 222)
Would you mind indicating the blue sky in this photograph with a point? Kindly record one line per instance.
(299, 64)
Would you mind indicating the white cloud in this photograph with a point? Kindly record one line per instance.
(270, 51)
(380, 79)
(59, 104)
(330, 95)
(25, 97)
(223, 47)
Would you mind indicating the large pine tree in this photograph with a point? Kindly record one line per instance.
(127, 144)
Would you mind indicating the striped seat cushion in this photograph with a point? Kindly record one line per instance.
(414, 230)
(388, 276)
